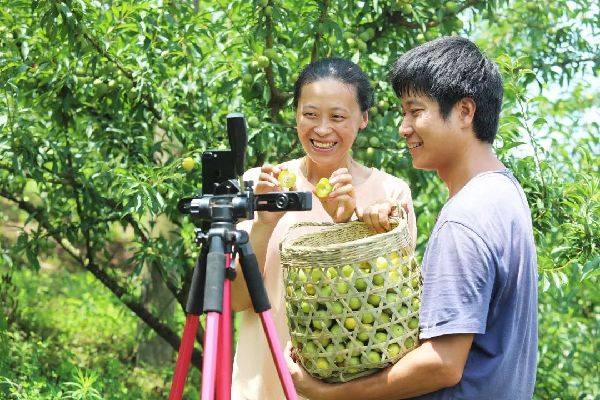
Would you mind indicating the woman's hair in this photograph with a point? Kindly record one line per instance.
(340, 70)
(449, 69)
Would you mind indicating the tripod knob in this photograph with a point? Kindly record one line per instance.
(200, 236)
(230, 273)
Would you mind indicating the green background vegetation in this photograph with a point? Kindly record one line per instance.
(101, 100)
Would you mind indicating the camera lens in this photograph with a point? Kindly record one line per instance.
(282, 202)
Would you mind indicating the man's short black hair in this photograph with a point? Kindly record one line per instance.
(449, 69)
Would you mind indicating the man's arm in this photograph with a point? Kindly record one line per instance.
(438, 363)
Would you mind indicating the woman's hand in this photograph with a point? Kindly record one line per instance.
(341, 202)
(377, 216)
(267, 182)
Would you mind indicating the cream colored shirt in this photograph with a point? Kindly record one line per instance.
(254, 373)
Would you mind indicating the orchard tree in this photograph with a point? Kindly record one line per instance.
(106, 107)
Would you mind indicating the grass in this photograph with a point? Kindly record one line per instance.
(71, 338)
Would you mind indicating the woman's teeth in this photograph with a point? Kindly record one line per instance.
(323, 145)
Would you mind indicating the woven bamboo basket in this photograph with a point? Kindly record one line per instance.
(352, 297)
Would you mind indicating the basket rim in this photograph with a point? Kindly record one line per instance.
(400, 223)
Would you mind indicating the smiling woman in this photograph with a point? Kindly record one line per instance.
(328, 120)
(331, 99)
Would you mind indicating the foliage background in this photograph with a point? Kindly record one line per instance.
(100, 101)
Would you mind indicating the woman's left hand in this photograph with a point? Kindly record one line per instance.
(377, 215)
(341, 202)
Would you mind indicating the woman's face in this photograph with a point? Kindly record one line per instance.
(328, 118)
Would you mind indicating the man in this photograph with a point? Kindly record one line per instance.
(478, 319)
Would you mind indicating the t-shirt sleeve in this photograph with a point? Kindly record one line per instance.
(458, 278)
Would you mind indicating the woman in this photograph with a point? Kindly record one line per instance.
(331, 99)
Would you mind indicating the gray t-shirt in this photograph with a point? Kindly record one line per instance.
(480, 276)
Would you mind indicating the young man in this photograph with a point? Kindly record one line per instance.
(478, 319)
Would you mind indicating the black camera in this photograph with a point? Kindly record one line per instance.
(221, 172)
(215, 212)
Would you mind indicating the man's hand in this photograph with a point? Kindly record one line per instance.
(341, 202)
(306, 385)
(436, 364)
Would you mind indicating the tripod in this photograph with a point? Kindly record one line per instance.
(210, 293)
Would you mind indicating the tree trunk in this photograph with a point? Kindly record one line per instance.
(153, 349)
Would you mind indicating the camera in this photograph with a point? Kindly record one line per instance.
(221, 172)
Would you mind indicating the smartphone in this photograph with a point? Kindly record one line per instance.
(218, 166)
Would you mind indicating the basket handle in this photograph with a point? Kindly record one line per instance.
(402, 214)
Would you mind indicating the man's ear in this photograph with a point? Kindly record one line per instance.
(466, 110)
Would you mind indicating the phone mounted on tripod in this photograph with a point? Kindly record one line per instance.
(222, 203)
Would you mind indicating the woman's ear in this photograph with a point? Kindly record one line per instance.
(365, 120)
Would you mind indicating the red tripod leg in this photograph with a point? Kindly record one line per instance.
(277, 352)
(224, 363)
(261, 304)
(185, 355)
(209, 364)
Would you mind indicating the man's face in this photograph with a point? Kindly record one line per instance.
(432, 141)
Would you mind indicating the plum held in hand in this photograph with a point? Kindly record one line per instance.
(287, 179)
(323, 188)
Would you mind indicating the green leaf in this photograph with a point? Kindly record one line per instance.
(545, 282)
(511, 145)
(591, 268)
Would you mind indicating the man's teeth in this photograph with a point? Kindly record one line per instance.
(323, 145)
(414, 145)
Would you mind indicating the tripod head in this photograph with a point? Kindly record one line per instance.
(222, 203)
(221, 171)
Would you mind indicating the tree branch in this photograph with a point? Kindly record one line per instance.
(566, 63)
(278, 98)
(163, 330)
(179, 295)
(109, 282)
(314, 54)
(149, 100)
(400, 19)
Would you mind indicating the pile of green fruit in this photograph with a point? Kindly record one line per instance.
(349, 321)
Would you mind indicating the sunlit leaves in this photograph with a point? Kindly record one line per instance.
(100, 102)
